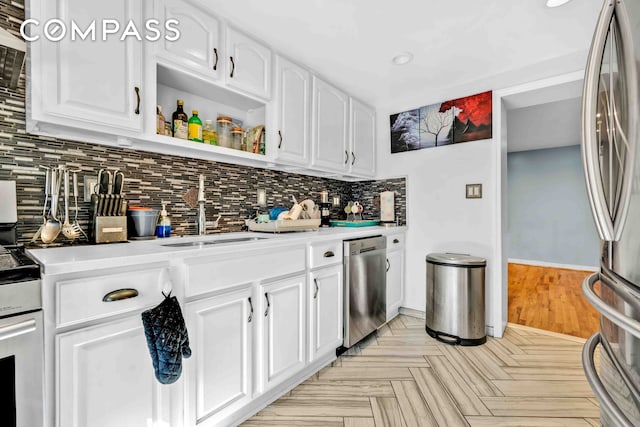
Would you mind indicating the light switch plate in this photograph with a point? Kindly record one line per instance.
(89, 184)
(474, 191)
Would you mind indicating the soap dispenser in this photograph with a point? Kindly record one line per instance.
(163, 229)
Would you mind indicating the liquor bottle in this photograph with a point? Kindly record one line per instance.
(180, 122)
(195, 127)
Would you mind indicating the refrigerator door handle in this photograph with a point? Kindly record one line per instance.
(628, 135)
(590, 145)
(606, 401)
(625, 322)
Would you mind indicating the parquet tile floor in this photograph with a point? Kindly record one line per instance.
(403, 377)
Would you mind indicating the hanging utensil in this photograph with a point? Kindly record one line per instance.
(76, 224)
(47, 186)
(67, 229)
(51, 229)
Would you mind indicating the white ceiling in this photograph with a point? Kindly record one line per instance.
(454, 42)
(550, 125)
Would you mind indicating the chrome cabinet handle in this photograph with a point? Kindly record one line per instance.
(215, 65)
(354, 158)
(280, 143)
(329, 254)
(628, 324)
(137, 89)
(233, 66)
(388, 264)
(590, 154)
(346, 158)
(16, 329)
(315, 282)
(266, 312)
(120, 294)
(598, 388)
(250, 314)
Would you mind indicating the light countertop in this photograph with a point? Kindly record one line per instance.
(69, 259)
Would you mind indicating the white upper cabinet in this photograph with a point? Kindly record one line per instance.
(200, 44)
(330, 127)
(291, 135)
(248, 64)
(363, 148)
(90, 84)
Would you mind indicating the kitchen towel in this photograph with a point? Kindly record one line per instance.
(167, 339)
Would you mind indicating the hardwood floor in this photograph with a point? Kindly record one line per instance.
(551, 299)
(403, 377)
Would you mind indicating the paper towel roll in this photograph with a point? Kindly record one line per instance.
(387, 206)
(8, 210)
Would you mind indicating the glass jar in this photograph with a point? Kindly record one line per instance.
(236, 138)
(209, 134)
(224, 125)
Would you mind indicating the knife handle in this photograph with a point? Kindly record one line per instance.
(118, 182)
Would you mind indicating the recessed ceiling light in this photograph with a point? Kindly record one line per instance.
(402, 58)
(556, 3)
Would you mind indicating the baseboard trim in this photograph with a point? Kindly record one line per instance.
(548, 333)
(412, 313)
(553, 264)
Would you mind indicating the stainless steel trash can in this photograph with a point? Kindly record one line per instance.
(455, 312)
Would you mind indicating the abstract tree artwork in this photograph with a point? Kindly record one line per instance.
(451, 122)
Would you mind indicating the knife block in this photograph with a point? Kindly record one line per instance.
(108, 229)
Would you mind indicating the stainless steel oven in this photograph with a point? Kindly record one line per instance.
(21, 340)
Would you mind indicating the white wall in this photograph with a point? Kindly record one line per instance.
(440, 218)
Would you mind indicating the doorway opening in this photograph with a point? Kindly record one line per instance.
(551, 240)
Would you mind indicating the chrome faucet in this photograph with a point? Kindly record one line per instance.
(202, 215)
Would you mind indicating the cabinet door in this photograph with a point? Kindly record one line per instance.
(395, 282)
(325, 316)
(249, 64)
(293, 87)
(218, 378)
(105, 377)
(330, 115)
(362, 121)
(199, 45)
(89, 81)
(283, 330)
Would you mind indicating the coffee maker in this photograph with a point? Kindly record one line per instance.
(325, 209)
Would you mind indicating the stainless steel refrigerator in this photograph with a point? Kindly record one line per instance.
(611, 156)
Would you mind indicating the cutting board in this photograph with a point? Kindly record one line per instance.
(357, 223)
(8, 210)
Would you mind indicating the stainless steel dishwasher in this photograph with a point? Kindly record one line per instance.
(365, 299)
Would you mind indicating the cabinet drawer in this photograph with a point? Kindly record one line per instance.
(82, 299)
(205, 274)
(395, 241)
(325, 253)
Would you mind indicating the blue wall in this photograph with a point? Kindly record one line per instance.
(549, 214)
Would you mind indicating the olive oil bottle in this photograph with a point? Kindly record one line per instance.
(180, 122)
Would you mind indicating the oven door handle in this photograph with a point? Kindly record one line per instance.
(16, 329)
(625, 322)
(606, 401)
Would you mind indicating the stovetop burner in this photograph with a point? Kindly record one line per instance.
(16, 265)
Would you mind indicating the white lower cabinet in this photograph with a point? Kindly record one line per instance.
(325, 311)
(105, 378)
(395, 281)
(282, 348)
(218, 375)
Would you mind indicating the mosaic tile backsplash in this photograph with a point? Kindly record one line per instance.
(152, 178)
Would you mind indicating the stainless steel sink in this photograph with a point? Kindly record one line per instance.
(213, 242)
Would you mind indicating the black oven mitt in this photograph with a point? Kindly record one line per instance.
(167, 339)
